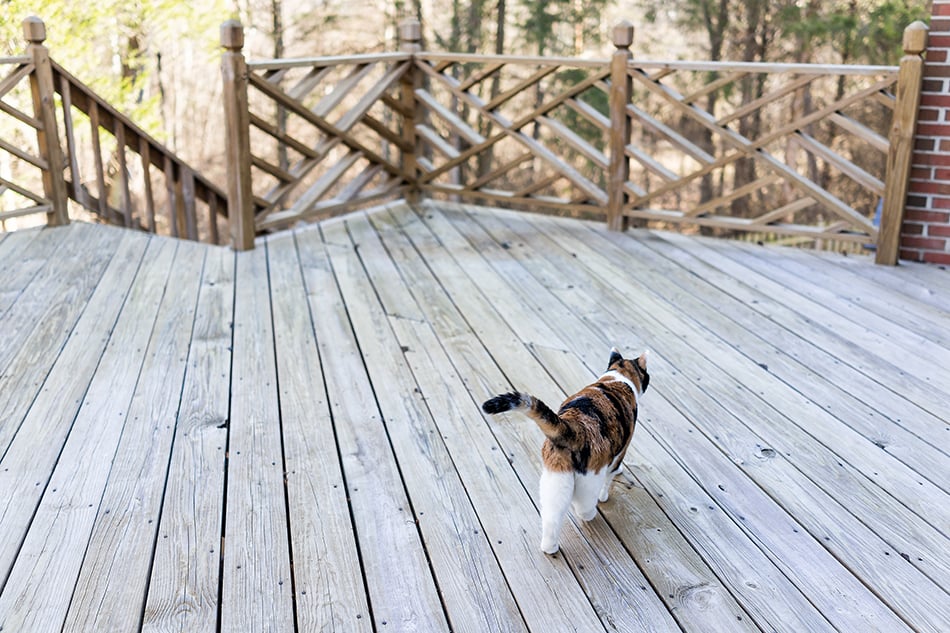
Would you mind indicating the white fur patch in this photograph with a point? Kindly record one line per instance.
(616, 375)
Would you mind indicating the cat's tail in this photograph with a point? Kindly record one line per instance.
(548, 421)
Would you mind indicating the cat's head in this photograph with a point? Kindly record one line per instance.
(633, 370)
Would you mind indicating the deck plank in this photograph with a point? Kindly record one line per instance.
(291, 438)
(28, 463)
(827, 292)
(329, 591)
(847, 343)
(818, 516)
(399, 582)
(608, 590)
(477, 597)
(110, 590)
(780, 603)
(49, 562)
(812, 578)
(184, 581)
(256, 593)
(43, 327)
(22, 255)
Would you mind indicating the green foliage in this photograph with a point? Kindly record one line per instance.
(112, 45)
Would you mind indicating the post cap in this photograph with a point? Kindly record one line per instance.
(34, 30)
(915, 38)
(623, 34)
(232, 35)
(410, 30)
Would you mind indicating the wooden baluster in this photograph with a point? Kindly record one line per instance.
(237, 136)
(901, 150)
(145, 153)
(410, 41)
(125, 194)
(620, 89)
(44, 108)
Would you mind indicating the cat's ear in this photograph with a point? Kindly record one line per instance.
(614, 357)
(642, 361)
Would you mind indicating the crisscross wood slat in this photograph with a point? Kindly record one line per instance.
(320, 179)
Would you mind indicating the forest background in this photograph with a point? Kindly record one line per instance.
(158, 60)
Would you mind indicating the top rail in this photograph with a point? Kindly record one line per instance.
(321, 62)
(699, 66)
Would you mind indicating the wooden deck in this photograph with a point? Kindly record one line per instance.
(290, 438)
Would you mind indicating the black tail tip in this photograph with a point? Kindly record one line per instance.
(502, 403)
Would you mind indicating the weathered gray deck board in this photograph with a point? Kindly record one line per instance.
(290, 438)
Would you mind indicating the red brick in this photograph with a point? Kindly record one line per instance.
(930, 217)
(922, 173)
(937, 99)
(933, 129)
(936, 55)
(931, 187)
(920, 202)
(936, 86)
(932, 69)
(925, 243)
(935, 258)
(939, 40)
(941, 174)
(941, 203)
(936, 230)
(940, 25)
(911, 256)
(912, 228)
(925, 144)
(940, 8)
(925, 158)
(929, 114)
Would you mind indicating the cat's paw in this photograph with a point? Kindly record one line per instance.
(550, 547)
(604, 495)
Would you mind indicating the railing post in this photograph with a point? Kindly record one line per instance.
(900, 152)
(410, 41)
(44, 108)
(237, 137)
(620, 89)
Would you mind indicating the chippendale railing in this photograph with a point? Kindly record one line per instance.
(814, 151)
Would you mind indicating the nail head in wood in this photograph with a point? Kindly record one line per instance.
(232, 35)
(410, 30)
(623, 34)
(34, 30)
(915, 38)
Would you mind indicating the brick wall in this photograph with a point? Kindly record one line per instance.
(925, 235)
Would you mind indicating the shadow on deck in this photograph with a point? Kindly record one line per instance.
(290, 439)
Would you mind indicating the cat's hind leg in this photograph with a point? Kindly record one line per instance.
(557, 490)
(616, 466)
(586, 489)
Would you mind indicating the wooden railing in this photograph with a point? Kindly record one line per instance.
(789, 149)
(108, 165)
(810, 151)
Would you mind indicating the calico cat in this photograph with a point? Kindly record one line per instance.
(585, 443)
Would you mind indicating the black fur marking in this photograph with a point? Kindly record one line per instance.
(583, 404)
(502, 403)
(580, 458)
(614, 357)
